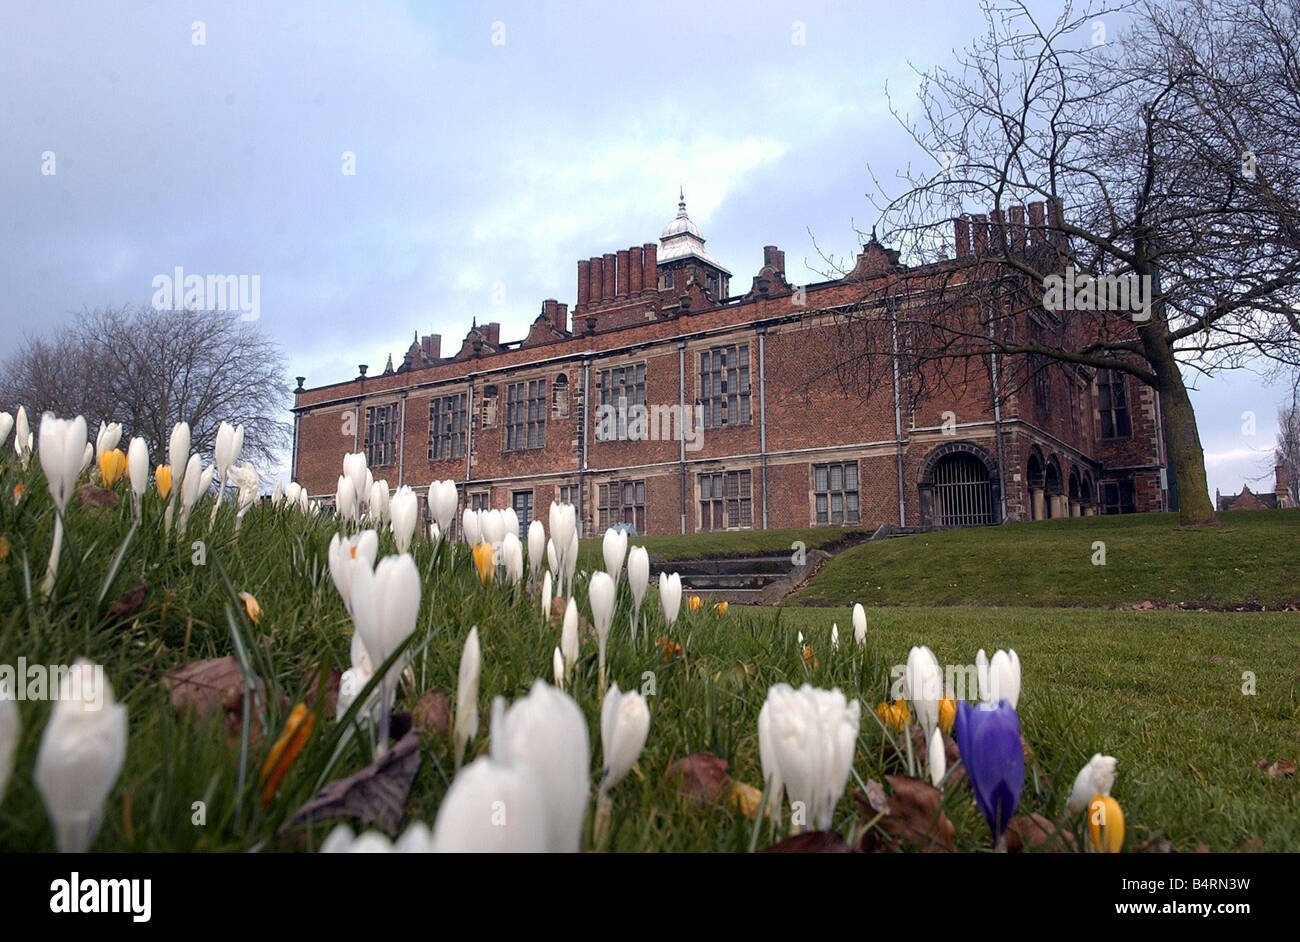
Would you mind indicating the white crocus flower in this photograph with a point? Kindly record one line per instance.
(536, 547)
(385, 607)
(924, 687)
(377, 504)
(6, 426)
(443, 499)
(494, 806)
(670, 596)
(835, 636)
(512, 558)
(812, 734)
(22, 437)
(62, 443)
(347, 551)
(1004, 678)
(569, 636)
(557, 668)
(1095, 778)
(471, 527)
(601, 598)
(471, 663)
(80, 756)
(938, 758)
(106, 439)
(355, 470)
(345, 499)
(546, 594)
(546, 733)
(9, 728)
(403, 509)
(624, 726)
(859, 624)
(638, 580)
(614, 549)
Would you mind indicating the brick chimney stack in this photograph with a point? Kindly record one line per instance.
(979, 233)
(492, 333)
(609, 272)
(584, 282)
(650, 270)
(774, 258)
(621, 285)
(596, 279)
(1017, 231)
(431, 346)
(1280, 484)
(961, 234)
(1036, 235)
(561, 319)
(636, 270)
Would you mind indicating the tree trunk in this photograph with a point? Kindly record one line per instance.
(1185, 452)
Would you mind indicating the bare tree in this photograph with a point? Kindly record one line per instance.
(149, 369)
(1164, 140)
(1287, 452)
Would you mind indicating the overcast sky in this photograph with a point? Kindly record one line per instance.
(494, 147)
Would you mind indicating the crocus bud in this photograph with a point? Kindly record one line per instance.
(485, 561)
(569, 636)
(470, 527)
(1095, 778)
(467, 694)
(494, 527)
(87, 456)
(571, 559)
(230, 441)
(512, 558)
(988, 737)
(624, 725)
(600, 595)
(355, 470)
(80, 756)
(536, 546)
(178, 449)
(6, 426)
(1106, 824)
(435, 534)
(403, 509)
(1004, 678)
(638, 573)
(109, 435)
(22, 436)
(938, 758)
(670, 596)
(614, 549)
(345, 498)
(924, 686)
(557, 668)
(377, 502)
(137, 466)
(546, 594)
(835, 636)
(546, 733)
(443, 499)
(385, 605)
(494, 807)
(859, 624)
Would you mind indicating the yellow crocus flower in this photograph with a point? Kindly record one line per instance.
(251, 606)
(278, 762)
(162, 479)
(947, 715)
(485, 559)
(1106, 824)
(112, 465)
(695, 603)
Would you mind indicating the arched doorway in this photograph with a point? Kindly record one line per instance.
(959, 487)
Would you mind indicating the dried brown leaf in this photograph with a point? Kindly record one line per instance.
(914, 820)
(88, 495)
(1037, 833)
(810, 842)
(374, 796)
(432, 714)
(703, 777)
(128, 605)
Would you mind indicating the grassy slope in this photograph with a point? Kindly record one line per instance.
(730, 543)
(1253, 557)
(1145, 687)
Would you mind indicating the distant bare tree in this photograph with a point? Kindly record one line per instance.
(1165, 140)
(1287, 452)
(149, 369)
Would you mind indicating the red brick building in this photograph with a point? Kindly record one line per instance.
(669, 402)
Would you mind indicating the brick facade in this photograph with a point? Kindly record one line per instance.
(524, 417)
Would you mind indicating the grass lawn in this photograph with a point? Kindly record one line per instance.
(1159, 690)
(1252, 558)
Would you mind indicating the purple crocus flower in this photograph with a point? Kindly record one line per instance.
(989, 740)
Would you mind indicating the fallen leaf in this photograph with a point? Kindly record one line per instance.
(703, 777)
(1281, 767)
(914, 819)
(810, 842)
(88, 495)
(4, 549)
(128, 605)
(432, 714)
(374, 796)
(747, 798)
(210, 685)
(1251, 845)
(1035, 832)
(558, 605)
